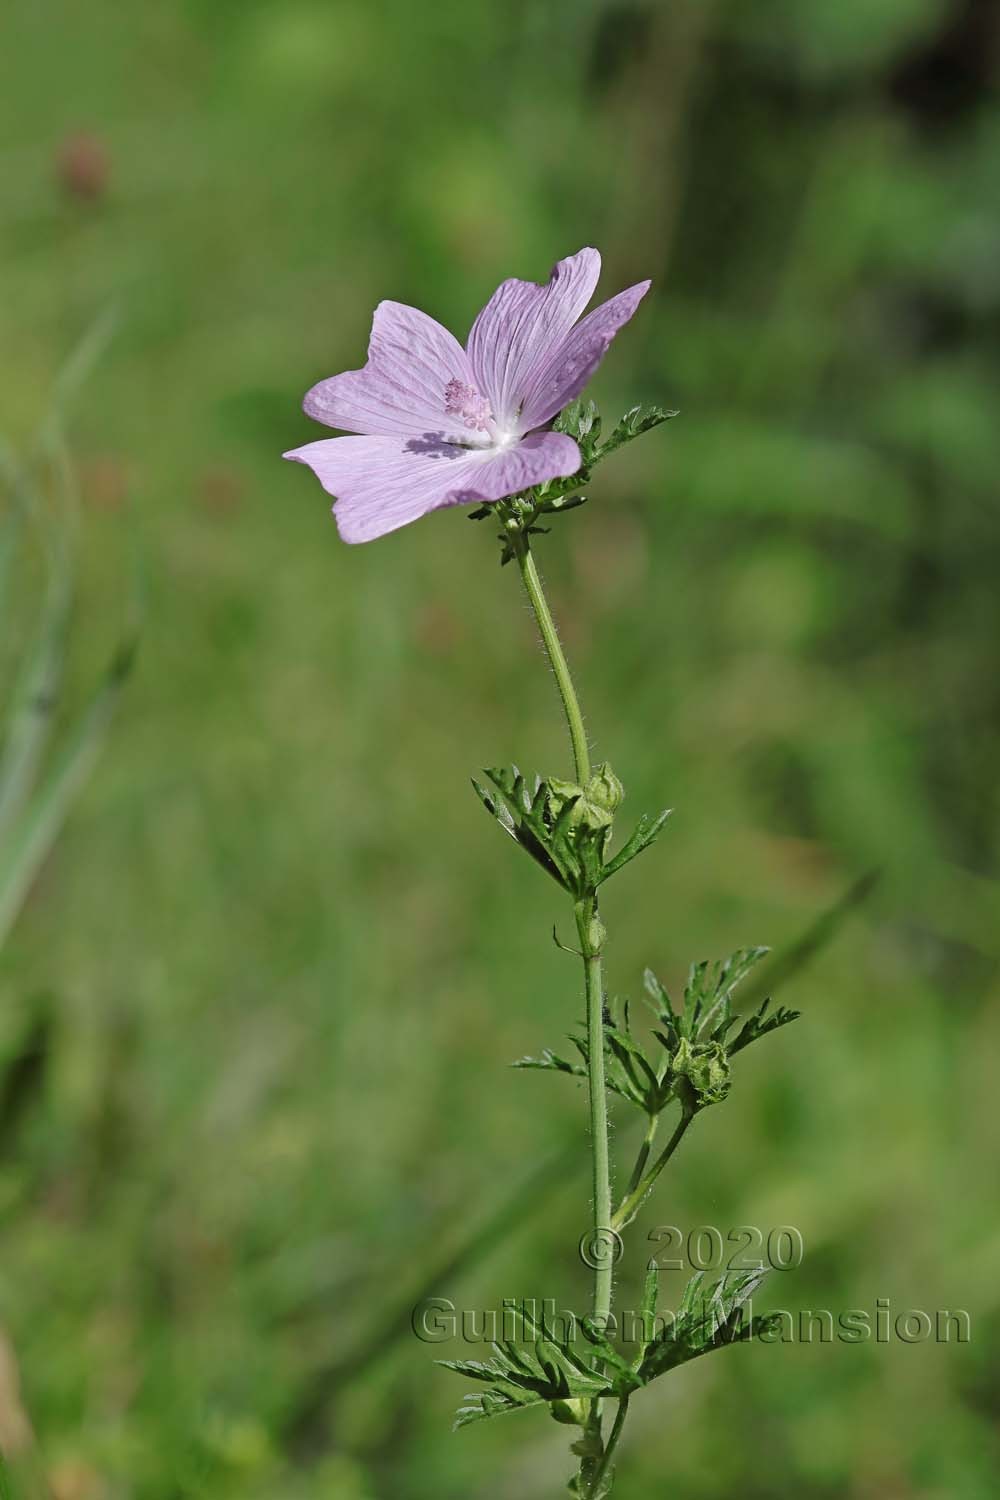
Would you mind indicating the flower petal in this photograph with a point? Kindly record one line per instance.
(522, 324)
(401, 389)
(382, 483)
(570, 366)
(508, 471)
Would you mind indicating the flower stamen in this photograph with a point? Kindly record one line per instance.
(464, 401)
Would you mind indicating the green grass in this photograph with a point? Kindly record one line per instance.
(274, 971)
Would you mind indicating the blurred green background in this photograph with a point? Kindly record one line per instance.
(257, 1012)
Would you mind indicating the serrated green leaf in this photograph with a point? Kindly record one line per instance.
(581, 421)
(650, 1293)
(623, 1378)
(711, 986)
(521, 815)
(760, 1024)
(656, 995)
(564, 827)
(492, 1403)
(632, 1057)
(646, 832)
(551, 1062)
(633, 424)
(705, 1321)
(518, 1376)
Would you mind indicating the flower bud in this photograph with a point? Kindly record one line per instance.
(559, 793)
(702, 1073)
(573, 1411)
(604, 790)
(595, 804)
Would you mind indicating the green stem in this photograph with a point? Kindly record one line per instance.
(557, 658)
(591, 934)
(633, 1200)
(603, 1256)
(612, 1444)
(644, 1150)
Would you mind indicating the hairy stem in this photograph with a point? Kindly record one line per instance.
(612, 1444)
(556, 655)
(591, 933)
(603, 1248)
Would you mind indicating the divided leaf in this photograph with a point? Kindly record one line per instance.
(566, 1377)
(545, 1371)
(647, 831)
(694, 1066)
(564, 827)
(633, 424)
(697, 1038)
(552, 1063)
(628, 1071)
(760, 1023)
(581, 421)
(708, 1318)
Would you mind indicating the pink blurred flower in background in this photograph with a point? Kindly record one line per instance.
(83, 166)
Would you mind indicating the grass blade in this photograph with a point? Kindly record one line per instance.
(788, 962)
(36, 831)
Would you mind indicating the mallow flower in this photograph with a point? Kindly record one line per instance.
(440, 425)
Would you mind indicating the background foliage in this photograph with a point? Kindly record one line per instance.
(256, 1016)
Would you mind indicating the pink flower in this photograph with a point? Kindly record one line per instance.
(442, 425)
